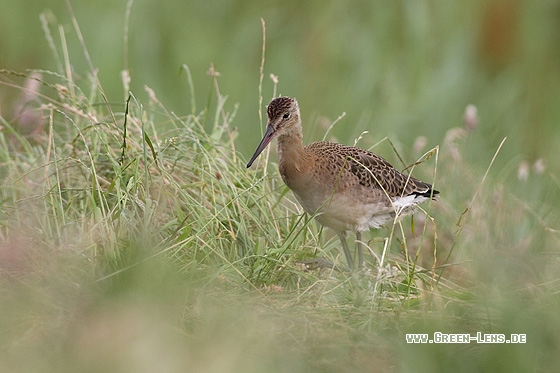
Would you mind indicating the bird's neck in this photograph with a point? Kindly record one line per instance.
(290, 144)
(292, 158)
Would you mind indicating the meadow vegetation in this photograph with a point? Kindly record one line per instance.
(133, 238)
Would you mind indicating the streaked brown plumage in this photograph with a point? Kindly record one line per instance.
(344, 187)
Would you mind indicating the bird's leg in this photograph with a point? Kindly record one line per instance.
(359, 249)
(342, 236)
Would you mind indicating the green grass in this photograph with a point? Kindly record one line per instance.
(134, 239)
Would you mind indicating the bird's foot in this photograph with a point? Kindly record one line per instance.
(320, 263)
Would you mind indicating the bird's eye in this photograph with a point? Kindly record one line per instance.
(286, 116)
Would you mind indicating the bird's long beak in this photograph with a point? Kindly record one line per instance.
(268, 136)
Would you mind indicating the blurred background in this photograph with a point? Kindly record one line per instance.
(396, 68)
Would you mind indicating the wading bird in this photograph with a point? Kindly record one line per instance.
(345, 188)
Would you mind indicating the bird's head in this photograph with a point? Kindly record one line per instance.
(283, 118)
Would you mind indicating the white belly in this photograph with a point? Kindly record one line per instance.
(342, 213)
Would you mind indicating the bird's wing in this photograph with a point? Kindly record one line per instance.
(359, 166)
(374, 171)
